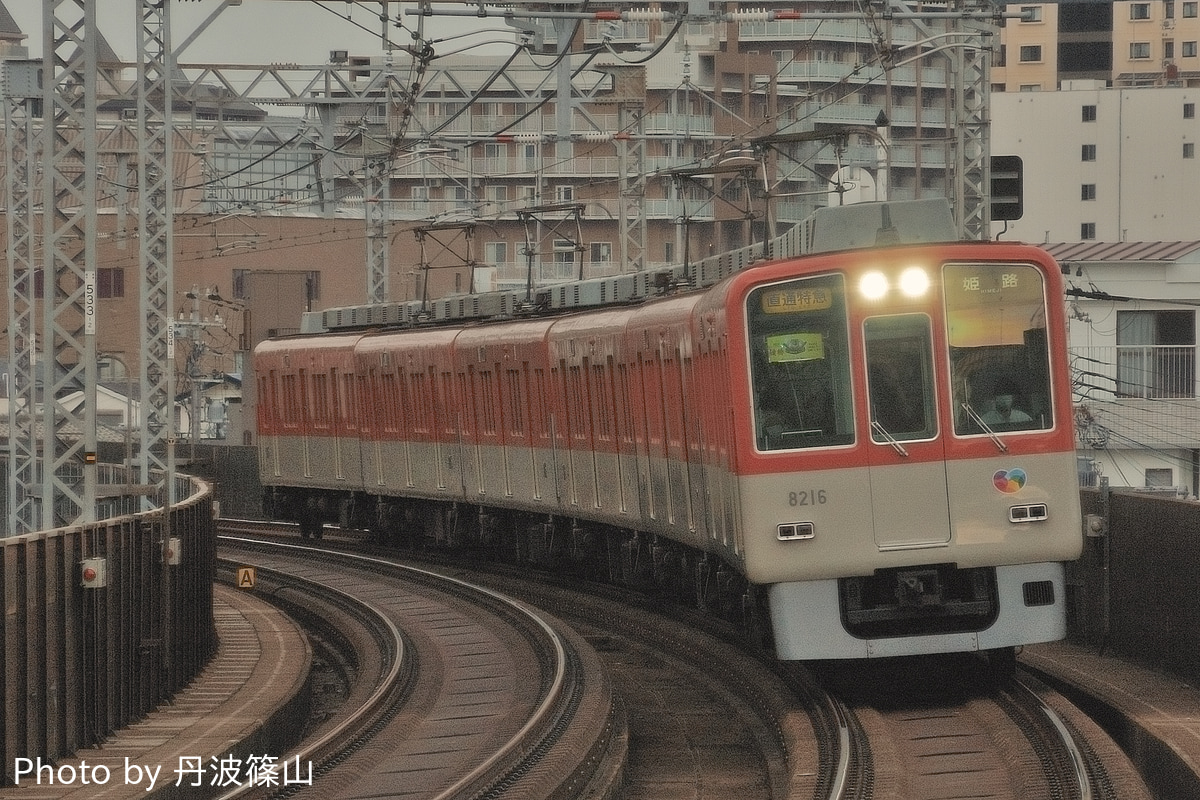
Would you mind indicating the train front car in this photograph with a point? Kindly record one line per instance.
(906, 455)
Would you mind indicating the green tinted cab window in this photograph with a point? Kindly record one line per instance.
(799, 364)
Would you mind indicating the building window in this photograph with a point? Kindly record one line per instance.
(1189, 150)
(1087, 191)
(1031, 53)
(1031, 13)
(1139, 50)
(1189, 110)
(1190, 8)
(1189, 49)
(1088, 153)
(1168, 49)
(564, 258)
(110, 282)
(1159, 477)
(1089, 113)
(39, 282)
(1087, 230)
(1156, 354)
(1168, 9)
(495, 252)
(601, 252)
(1139, 11)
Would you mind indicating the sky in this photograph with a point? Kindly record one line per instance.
(264, 31)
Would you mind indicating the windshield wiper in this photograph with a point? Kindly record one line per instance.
(887, 437)
(978, 420)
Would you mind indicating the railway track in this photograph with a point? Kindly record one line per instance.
(706, 717)
(948, 728)
(458, 692)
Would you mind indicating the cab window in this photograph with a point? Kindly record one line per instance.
(999, 357)
(900, 378)
(799, 363)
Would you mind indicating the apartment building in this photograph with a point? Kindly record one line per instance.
(1122, 44)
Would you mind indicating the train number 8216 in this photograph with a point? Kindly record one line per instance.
(807, 497)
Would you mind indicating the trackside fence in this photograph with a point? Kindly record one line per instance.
(79, 662)
(1135, 587)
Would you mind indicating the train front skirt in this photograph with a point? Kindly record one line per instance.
(810, 619)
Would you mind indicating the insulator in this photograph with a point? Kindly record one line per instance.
(593, 136)
(645, 15)
(750, 15)
(527, 138)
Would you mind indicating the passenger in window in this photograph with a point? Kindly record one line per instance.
(1003, 411)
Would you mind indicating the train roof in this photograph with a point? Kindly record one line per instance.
(832, 229)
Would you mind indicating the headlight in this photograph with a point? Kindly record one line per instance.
(873, 285)
(914, 282)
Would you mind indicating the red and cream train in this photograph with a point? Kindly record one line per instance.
(875, 442)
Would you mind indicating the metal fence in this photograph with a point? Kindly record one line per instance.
(80, 662)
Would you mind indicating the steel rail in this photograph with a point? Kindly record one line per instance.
(515, 743)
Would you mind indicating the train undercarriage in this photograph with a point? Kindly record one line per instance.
(555, 544)
(905, 603)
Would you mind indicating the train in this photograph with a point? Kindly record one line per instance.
(865, 448)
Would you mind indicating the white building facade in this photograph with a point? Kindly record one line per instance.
(1104, 165)
(1112, 190)
(1132, 334)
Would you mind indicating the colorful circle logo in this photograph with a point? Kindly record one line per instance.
(1009, 481)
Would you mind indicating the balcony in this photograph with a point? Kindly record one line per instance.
(1136, 372)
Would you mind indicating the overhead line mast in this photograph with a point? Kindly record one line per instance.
(156, 251)
(69, 163)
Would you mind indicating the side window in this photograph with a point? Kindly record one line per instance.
(799, 364)
(900, 378)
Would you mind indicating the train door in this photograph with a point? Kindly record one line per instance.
(305, 425)
(907, 458)
(675, 410)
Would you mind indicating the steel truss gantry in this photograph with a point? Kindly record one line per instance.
(24, 478)
(156, 207)
(68, 156)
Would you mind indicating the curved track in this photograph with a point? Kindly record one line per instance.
(949, 728)
(707, 717)
(458, 691)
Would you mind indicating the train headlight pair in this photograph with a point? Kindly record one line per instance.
(913, 282)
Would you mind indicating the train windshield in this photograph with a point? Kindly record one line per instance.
(900, 377)
(800, 364)
(999, 361)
